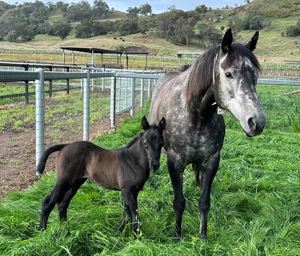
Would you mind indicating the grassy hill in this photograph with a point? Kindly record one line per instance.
(272, 45)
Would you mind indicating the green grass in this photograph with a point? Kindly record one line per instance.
(61, 109)
(255, 200)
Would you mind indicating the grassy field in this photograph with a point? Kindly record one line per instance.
(255, 200)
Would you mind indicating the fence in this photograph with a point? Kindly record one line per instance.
(110, 93)
(118, 103)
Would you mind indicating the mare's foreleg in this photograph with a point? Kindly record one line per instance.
(130, 202)
(49, 202)
(207, 177)
(176, 174)
(65, 202)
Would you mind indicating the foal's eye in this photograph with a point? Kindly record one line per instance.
(228, 74)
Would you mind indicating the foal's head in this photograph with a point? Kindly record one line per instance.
(153, 141)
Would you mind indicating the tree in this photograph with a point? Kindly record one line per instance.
(184, 30)
(127, 26)
(100, 9)
(145, 23)
(208, 35)
(146, 9)
(201, 9)
(133, 12)
(235, 24)
(84, 29)
(80, 11)
(62, 29)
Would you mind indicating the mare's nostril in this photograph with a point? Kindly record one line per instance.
(251, 123)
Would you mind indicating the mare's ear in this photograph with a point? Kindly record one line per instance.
(251, 44)
(145, 124)
(162, 124)
(227, 41)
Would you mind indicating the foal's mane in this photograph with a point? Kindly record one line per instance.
(138, 137)
(134, 140)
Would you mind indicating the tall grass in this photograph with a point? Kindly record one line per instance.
(254, 210)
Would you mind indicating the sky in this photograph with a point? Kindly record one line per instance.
(158, 6)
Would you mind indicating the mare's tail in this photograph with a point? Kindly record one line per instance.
(42, 162)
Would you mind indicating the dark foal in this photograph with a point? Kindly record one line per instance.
(125, 169)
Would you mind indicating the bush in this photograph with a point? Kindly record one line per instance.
(294, 30)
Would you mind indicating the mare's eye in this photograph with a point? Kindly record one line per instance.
(228, 74)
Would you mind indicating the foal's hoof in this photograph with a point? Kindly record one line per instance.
(176, 237)
(203, 236)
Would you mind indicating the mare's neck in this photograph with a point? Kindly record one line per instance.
(200, 87)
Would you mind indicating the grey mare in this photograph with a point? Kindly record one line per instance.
(224, 77)
(125, 169)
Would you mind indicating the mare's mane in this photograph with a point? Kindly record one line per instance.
(202, 70)
(201, 73)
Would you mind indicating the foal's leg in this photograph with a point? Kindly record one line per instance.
(196, 169)
(49, 202)
(130, 201)
(207, 177)
(176, 174)
(124, 220)
(65, 202)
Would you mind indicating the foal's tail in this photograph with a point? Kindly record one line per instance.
(42, 162)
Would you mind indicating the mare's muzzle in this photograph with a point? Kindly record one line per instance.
(255, 125)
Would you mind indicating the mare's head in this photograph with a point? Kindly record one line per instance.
(236, 70)
(153, 141)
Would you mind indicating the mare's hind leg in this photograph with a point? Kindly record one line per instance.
(130, 202)
(65, 202)
(207, 177)
(49, 202)
(176, 174)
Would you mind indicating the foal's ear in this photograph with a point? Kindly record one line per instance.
(227, 41)
(162, 124)
(145, 124)
(251, 44)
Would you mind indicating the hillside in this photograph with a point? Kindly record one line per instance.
(273, 45)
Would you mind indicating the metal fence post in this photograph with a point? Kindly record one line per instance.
(149, 88)
(39, 115)
(86, 106)
(113, 88)
(142, 92)
(132, 97)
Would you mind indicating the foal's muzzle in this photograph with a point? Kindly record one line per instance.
(154, 165)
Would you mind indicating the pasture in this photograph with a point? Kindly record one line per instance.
(255, 200)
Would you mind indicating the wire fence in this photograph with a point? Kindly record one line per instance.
(64, 112)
